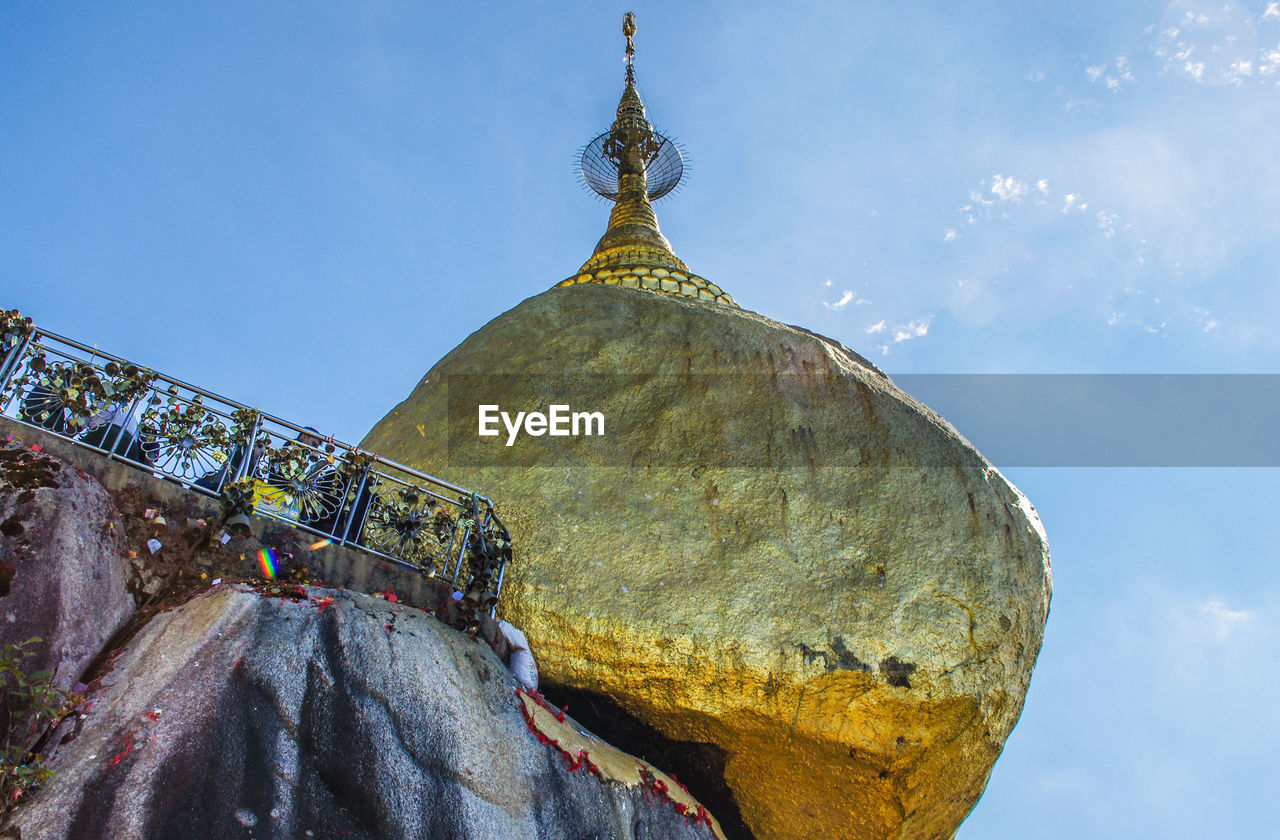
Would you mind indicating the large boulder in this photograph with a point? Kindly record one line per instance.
(63, 571)
(772, 550)
(315, 714)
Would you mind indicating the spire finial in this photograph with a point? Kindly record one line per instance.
(633, 165)
(629, 30)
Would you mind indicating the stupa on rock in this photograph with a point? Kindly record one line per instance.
(774, 566)
(631, 164)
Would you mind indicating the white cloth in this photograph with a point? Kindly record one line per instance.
(521, 662)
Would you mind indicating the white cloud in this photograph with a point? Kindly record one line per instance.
(1073, 202)
(1008, 189)
(912, 329)
(845, 299)
(950, 235)
(1043, 186)
(875, 328)
(1206, 319)
(1217, 622)
(1216, 47)
(1120, 74)
(1107, 223)
(1268, 61)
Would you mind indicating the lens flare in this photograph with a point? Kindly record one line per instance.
(267, 559)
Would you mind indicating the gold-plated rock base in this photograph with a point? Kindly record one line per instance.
(850, 610)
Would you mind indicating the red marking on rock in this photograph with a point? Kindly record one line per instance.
(323, 604)
(152, 716)
(126, 740)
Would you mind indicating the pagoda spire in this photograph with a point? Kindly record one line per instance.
(632, 165)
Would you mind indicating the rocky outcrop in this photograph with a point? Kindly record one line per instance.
(317, 714)
(772, 550)
(63, 571)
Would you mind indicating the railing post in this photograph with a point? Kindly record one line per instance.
(462, 549)
(355, 506)
(115, 441)
(250, 446)
(497, 589)
(11, 360)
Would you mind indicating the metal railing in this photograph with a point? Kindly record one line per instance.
(256, 463)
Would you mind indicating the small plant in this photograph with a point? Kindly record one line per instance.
(29, 702)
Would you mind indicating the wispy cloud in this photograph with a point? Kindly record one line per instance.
(1206, 319)
(1115, 75)
(845, 299)
(1220, 45)
(915, 328)
(912, 329)
(1004, 195)
(1216, 622)
(1107, 223)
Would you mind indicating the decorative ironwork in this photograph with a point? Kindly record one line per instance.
(488, 551)
(256, 464)
(184, 439)
(302, 479)
(70, 396)
(408, 524)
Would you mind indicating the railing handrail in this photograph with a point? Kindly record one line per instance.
(274, 418)
(324, 503)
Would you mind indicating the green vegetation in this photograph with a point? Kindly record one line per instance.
(28, 704)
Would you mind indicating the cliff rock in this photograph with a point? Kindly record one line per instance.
(63, 571)
(320, 714)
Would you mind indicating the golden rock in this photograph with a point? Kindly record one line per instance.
(771, 549)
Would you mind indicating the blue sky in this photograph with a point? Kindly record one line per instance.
(305, 206)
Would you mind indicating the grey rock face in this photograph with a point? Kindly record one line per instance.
(332, 716)
(63, 573)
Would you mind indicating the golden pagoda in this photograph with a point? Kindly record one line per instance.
(632, 165)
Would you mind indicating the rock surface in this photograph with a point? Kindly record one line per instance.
(772, 550)
(320, 716)
(63, 571)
